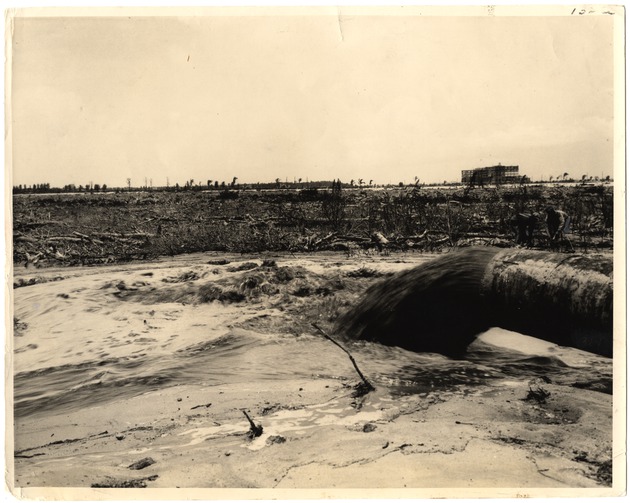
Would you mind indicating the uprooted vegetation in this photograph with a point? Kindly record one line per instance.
(71, 229)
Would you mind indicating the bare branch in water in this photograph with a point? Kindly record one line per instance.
(254, 429)
(362, 389)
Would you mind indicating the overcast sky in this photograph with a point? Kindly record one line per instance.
(386, 98)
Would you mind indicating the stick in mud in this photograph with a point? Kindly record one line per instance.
(367, 385)
(254, 429)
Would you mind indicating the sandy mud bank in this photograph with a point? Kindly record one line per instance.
(138, 376)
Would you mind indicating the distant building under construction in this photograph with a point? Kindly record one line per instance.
(496, 175)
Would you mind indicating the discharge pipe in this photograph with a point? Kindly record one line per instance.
(441, 306)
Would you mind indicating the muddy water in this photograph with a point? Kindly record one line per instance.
(102, 334)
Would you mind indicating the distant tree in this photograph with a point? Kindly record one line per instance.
(564, 176)
(129, 183)
(333, 206)
(209, 183)
(360, 182)
(370, 184)
(352, 183)
(104, 187)
(234, 181)
(223, 185)
(97, 187)
(216, 184)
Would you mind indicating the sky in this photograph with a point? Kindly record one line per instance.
(317, 97)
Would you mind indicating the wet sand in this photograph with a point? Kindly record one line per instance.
(315, 434)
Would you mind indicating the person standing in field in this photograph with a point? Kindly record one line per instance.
(558, 225)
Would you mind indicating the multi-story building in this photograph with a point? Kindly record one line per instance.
(491, 175)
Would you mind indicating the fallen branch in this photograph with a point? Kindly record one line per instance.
(254, 429)
(206, 405)
(366, 387)
(324, 239)
(62, 239)
(540, 395)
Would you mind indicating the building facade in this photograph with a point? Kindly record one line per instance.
(495, 175)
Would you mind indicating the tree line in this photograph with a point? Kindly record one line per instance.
(195, 185)
(45, 188)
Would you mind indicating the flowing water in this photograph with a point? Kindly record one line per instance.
(101, 334)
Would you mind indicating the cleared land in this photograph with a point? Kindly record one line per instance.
(100, 228)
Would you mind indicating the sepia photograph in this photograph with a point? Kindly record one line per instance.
(315, 252)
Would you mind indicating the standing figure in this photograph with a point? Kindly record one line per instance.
(558, 225)
(524, 225)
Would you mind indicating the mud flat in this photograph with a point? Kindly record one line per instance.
(137, 377)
